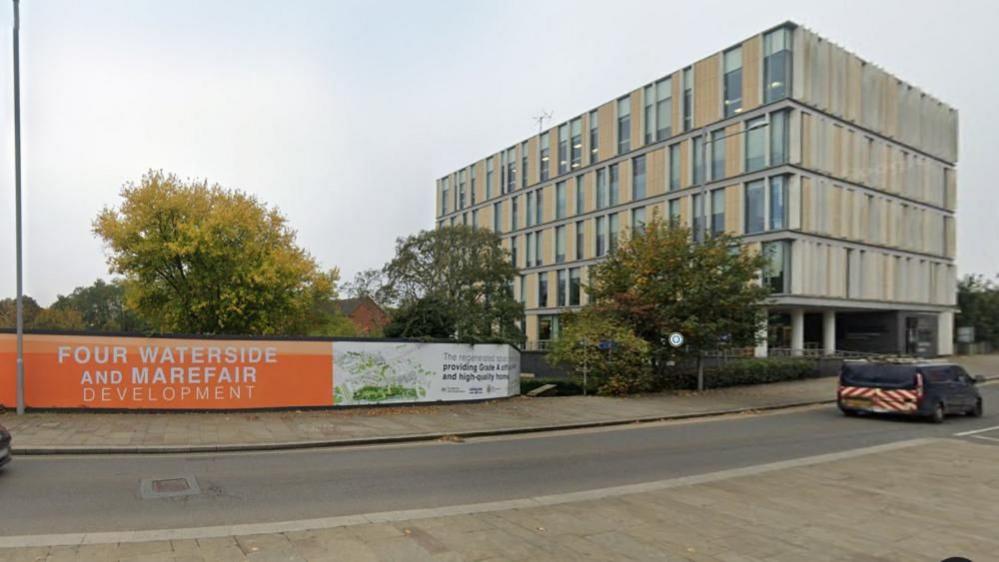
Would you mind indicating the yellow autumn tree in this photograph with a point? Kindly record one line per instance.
(198, 258)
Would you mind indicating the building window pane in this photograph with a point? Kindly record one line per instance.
(511, 170)
(615, 185)
(733, 81)
(560, 202)
(674, 167)
(754, 207)
(580, 242)
(529, 241)
(776, 272)
(688, 98)
(563, 149)
(664, 109)
(530, 207)
(776, 64)
(638, 178)
(602, 200)
(574, 286)
(755, 144)
(718, 211)
(594, 138)
(778, 137)
(461, 189)
(717, 155)
(544, 154)
(559, 244)
(613, 226)
(497, 227)
(563, 287)
(698, 216)
(580, 196)
(638, 219)
(674, 212)
(601, 234)
(475, 218)
(513, 213)
(778, 197)
(576, 141)
(543, 289)
(539, 258)
(523, 164)
(697, 159)
(539, 206)
(650, 116)
(489, 177)
(623, 125)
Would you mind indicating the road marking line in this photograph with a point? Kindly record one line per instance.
(984, 437)
(974, 431)
(71, 539)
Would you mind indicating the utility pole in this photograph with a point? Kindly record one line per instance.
(17, 214)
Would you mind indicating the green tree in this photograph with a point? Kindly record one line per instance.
(660, 281)
(623, 368)
(38, 318)
(101, 307)
(978, 300)
(465, 270)
(8, 312)
(198, 258)
(368, 283)
(421, 318)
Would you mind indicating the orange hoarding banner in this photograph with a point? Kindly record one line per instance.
(72, 371)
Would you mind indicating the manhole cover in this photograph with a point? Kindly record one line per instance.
(167, 487)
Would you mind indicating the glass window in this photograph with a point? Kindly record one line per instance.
(594, 138)
(544, 153)
(674, 212)
(511, 170)
(615, 185)
(778, 197)
(778, 137)
(489, 177)
(529, 241)
(523, 289)
(563, 287)
(601, 235)
(475, 218)
(513, 212)
(523, 164)
(497, 227)
(776, 64)
(580, 242)
(560, 202)
(717, 154)
(559, 244)
(539, 206)
(698, 216)
(697, 159)
(650, 115)
(755, 144)
(623, 125)
(776, 274)
(464, 218)
(754, 207)
(575, 285)
(513, 251)
(718, 211)
(674, 167)
(543, 290)
(614, 226)
(688, 98)
(580, 195)
(461, 189)
(563, 149)
(638, 219)
(733, 81)
(664, 109)
(576, 148)
(471, 183)
(444, 196)
(531, 197)
(602, 200)
(539, 258)
(638, 178)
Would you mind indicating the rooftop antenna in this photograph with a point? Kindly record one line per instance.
(545, 115)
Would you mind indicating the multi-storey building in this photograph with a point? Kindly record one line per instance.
(842, 174)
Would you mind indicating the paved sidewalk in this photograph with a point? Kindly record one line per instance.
(918, 501)
(134, 432)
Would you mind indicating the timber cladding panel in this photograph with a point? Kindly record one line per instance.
(625, 179)
(479, 173)
(707, 90)
(589, 239)
(733, 209)
(607, 130)
(553, 152)
(752, 72)
(533, 170)
(733, 150)
(676, 83)
(685, 171)
(637, 120)
(655, 172)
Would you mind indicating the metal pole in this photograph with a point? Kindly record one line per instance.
(17, 215)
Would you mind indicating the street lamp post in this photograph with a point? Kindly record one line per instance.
(17, 213)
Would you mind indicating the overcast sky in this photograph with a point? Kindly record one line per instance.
(342, 114)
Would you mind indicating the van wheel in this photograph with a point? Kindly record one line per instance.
(850, 413)
(938, 414)
(976, 412)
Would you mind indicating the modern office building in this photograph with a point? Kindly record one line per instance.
(842, 174)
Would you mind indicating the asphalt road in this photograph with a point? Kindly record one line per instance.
(102, 493)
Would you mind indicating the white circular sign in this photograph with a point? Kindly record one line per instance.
(676, 339)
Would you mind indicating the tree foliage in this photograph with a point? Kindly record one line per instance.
(101, 307)
(978, 299)
(368, 283)
(624, 368)
(198, 258)
(38, 318)
(660, 282)
(466, 271)
(422, 318)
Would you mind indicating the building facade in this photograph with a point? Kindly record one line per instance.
(841, 174)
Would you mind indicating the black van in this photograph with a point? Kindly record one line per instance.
(930, 390)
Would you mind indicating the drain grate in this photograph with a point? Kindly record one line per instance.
(168, 487)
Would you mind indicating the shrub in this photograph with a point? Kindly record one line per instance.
(738, 372)
(563, 387)
(625, 369)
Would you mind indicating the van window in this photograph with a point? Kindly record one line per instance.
(938, 374)
(880, 375)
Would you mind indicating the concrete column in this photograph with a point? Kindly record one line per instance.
(761, 334)
(829, 332)
(797, 331)
(945, 333)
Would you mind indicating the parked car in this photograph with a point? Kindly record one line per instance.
(4, 446)
(929, 390)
